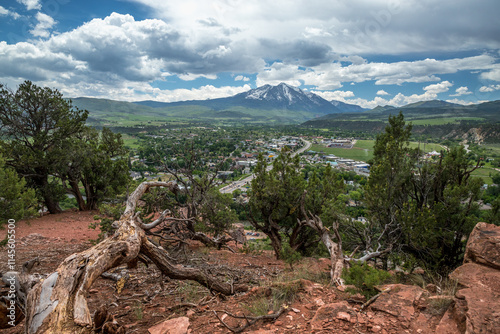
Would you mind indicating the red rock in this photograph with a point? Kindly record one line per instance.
(376, 329)
(418, 271)
(344, 316)
(172, 326)
(476, 306)
(421, 324)
(319, 302)
(329, 312)
(399, 301)
(447, 325)
(432, 288)
(483, 246)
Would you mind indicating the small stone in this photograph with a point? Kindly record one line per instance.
(295, 310)
(418, 271)
(376, 329)
(344, 316)
(172, 326)
(319, 302)
(432, 288)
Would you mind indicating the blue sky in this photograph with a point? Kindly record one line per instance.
(365, 52)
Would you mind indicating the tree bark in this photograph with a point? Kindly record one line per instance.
(42, 184)
(334, 248)
(58, 304)
(78, 195)
(157, 255)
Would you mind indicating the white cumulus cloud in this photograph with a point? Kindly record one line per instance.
(241, 78)
(45, 23)
(462, 91)
(441, 87)
(489, 89)
(31, 4)
(6, 12)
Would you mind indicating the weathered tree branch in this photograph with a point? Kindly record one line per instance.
(58, 304)
(159, 258)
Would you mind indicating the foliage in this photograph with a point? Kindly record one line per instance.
(48, 143)
(216, 213)
(108, 214)
(37, 122)
(275, 197)
(289, 255)
(365, 277)
(16, 201)
(256, 247)
(425, 208)
(98, 163)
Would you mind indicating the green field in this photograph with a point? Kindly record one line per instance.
(485, 173)
(443, 120)
(130, 141)
(363, 150)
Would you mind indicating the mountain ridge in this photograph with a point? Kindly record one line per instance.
(280, 104)
(267, 97)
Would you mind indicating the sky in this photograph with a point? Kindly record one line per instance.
(364, 52)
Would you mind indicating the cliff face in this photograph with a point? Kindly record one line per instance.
(477, 303)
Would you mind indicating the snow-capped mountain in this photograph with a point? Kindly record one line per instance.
(281, 103)
(281, 92)
(267, 97)
(288, 97)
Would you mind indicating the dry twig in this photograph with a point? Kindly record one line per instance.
(248, 319)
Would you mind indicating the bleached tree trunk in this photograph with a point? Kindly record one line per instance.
(58, 304)
(334, 248)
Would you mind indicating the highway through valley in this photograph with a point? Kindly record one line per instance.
(241, 183)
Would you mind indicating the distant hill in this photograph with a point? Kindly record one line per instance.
(282, 101)
(275, 104)
(431, 104)
(433, 118)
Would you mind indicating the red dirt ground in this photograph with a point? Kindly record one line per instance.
(148, 299)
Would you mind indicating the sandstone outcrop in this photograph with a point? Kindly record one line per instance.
(477, 302)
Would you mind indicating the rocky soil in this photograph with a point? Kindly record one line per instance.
(150, 303)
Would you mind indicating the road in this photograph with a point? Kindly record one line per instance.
(241, 183)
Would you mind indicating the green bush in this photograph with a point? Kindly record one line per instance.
(256, 247)
(365, 278)
(68, 203)
(289, 255)
(108, 213)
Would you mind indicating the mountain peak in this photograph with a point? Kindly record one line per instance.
(281, 92)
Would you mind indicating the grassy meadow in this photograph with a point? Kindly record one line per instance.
(363, 150)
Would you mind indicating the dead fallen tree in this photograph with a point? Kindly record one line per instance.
(58, 304)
